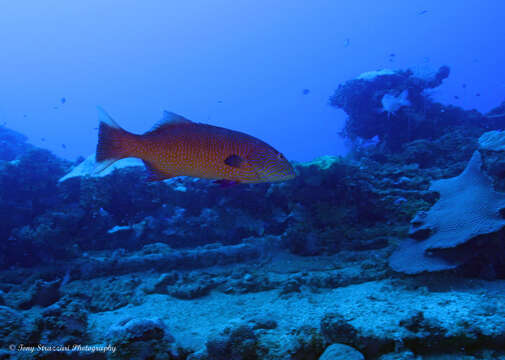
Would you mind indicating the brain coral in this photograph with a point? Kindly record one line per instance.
(468, 209)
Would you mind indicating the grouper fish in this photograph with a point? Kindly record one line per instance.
(177, 146)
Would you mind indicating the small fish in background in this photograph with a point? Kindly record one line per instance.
(220, 101)
(368, 143)
(42, 139)
(55, 107)
(422, 12)
(305, 91)
(456, 97)
(63, 146)
(478, 94)
(463, 86)
(63, 100)
(24, 115)
(347, 42)
(65, 279)
(392, 103)
(177, 146)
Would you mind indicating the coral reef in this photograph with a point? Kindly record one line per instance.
(394, 107)
(492, 147)
(185, 270)
(63, 323)
(12, 144)
(238, 343)
(325, 210)
(461, 222)
(142, 339)
(27, 190)
(390, 105)
(14, 326)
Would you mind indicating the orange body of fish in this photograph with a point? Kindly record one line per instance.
(179, 147)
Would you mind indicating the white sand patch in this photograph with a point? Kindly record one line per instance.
(371, 75)
(374, 308)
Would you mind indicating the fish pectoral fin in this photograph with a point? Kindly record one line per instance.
(154, 174)
(226, 183)
(234, 161)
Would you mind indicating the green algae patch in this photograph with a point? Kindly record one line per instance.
(323, 162)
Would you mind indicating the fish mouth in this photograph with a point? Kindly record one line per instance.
(289, 174)
(274, 175)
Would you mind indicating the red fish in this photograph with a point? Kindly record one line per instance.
(177, 146)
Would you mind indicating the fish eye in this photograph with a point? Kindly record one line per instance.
(280, 156)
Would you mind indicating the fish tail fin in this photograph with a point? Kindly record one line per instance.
(114, 143)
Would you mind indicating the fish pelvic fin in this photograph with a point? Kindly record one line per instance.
(114, 143)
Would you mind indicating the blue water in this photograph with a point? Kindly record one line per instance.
(241, 65)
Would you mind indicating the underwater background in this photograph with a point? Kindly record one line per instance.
(388, 244)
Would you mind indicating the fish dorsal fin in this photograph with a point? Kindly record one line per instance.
(173, 118)
(170, 118)
(103, 117)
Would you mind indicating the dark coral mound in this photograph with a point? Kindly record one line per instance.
(363, 101)
(12, 144)
(28, 189)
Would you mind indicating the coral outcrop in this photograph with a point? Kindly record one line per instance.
(392, 108)
(12, 144)
(452, 231)
(390, 105)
